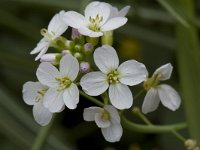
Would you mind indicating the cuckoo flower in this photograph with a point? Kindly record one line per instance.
(160, 92)
(113, 76)
(97, 19)
(107, 119)
(55, 28)
(62, 91)
(33, 94)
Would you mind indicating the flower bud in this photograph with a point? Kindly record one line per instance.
(52, 58)
(69, 44)
(191, 144)
(75, 34)
(78, 48)
(93, 40)
(78, 56)
(84, 67)
(88, 48)
(64, 52)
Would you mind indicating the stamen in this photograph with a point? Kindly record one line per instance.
(113, 77)
(64, 83)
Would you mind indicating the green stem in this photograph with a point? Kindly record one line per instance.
(42, 136)
(92, 99)
(180, 137)
(188, 54)
(137, 111)
(105, 98)
(138, 94)
(151, 128)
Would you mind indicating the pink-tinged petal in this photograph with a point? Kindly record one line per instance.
(100, 122)
(164, 72)
(94, 83)
(112, 133)
(169, 97)
(71, 96)
(41, 114)
(69, 67)
(74, 19)
(132, 72)
(114, 23)
(47, 74)
(53, 100)
(151, 101)
(120, 96)
(97, 8)
(106, 58)
(89, 113)
(30, 92)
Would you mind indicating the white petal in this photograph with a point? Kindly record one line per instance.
(41, 114)
(151, 101)
(100, 122)
(114, 12)
(94, 83)
(56, 26)
(88, 32)
(30, 91)
(115, 118)
(120, 96)
(71, 96)
(114, 23)
(106, 58)
(169, 97)
(53, 100)
(124, 11)
(69, 67)
(47, 74)
(89, 113)
(41, 47)
(132, 72)
(74, 19)
(98, 8)
(164, 72)
(112, 133)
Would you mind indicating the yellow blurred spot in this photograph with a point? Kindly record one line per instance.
(134, 147)
(109, 148)
(129, 49)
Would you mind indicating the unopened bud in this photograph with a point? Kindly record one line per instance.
(75, 34)
(191, 144)
(84, 67)
(88, 48)
(51, 58)
(69, 44)
(64, 52)
(93, 40)
(136, 110)
(78, 56)
(78, 48)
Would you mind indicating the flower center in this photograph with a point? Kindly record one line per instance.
(105, 116)
(113, 77)
(95, 23)
(150, 82)
(44, 32)
(40, 95)
(64, 83)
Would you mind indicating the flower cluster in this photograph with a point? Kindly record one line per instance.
(64, 74)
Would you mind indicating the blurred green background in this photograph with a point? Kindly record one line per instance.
(156, 29)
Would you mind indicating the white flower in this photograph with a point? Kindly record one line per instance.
(62, 91)
(33, 93)
(114, 77)
(55, 28)
(164, 93)
(97, 19)
(107, 119)
(50, 57)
